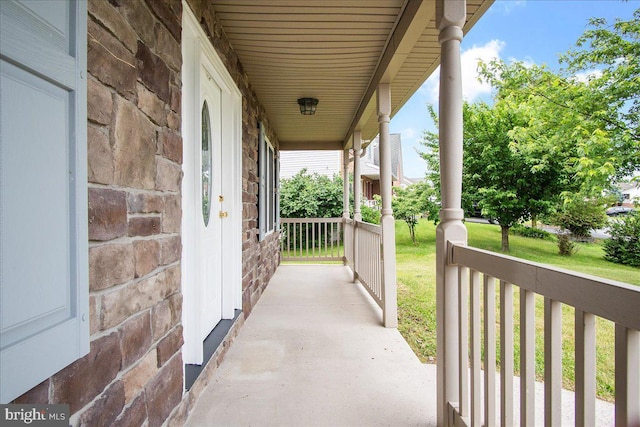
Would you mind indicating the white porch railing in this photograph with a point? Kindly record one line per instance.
(311, 239)
(356, 243)
(365, 257)
(590, 296)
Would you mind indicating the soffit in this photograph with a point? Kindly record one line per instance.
(333, 50)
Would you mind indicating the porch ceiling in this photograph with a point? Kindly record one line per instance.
(337, 51)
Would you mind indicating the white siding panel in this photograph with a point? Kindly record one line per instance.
(321, 162)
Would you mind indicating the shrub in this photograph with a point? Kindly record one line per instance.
(566, 246)
(370, 215)
(311, 196)
(534, 233)
(580, 216)
(624, 245)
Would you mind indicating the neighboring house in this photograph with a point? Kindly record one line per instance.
(630, 194)
(328, 163)
(370, 167)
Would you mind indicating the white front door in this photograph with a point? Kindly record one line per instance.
(208, 181)
(211, 191)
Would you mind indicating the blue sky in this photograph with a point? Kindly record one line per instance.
(536, 31)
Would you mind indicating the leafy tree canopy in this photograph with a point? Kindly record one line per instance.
(311, 196)
(589, 110)
(509, 180)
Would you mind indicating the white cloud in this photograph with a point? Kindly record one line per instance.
(471, 87)
(585, 76)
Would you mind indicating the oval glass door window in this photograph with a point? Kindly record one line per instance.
(206, 164)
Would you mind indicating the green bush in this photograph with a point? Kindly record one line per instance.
(311, 196)
(580, 216)
(566, 246)
(534, 233)
(370, 215)
(624, 245)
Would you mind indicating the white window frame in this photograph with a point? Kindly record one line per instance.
(268, 197)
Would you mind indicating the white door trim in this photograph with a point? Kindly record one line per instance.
(196, 50)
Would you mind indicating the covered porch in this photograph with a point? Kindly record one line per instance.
(313, 353)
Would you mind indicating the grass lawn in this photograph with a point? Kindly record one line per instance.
(417, 294)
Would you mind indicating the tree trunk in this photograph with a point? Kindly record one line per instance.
(534, 221)
(412, 233)
(505, 238)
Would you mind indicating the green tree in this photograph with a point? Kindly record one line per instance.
(311, 196)
(610, 54)
(514, 180)
(565, 117)
(509, 180)
(589, 110)
(411, 203)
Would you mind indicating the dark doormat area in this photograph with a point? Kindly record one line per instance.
(210, 345)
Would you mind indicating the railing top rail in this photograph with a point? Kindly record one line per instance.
(309, 220)
(610, 299)
(373, 228)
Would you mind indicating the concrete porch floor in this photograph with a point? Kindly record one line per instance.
(313, 353)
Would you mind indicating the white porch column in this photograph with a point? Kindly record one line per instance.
(345, 183)
(357, 179)
(450, 17)
(387, 222)
(357, 191)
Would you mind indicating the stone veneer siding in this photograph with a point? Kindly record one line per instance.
(133, 374)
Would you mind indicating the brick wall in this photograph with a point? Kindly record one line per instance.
(133, 374)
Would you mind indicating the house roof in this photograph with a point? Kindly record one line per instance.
(370, 170)
(372, 157)
(337, 51)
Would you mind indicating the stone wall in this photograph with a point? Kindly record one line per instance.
(133, 374)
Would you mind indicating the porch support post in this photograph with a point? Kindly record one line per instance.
(345, 199)
(450, 17)
(387, 222)
(357, 216)
(345, 183)
(357, 180)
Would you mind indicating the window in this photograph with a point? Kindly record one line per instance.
(206, 164)
(43, 151)
(268, 203)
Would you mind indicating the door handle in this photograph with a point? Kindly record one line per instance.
(223, 214)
